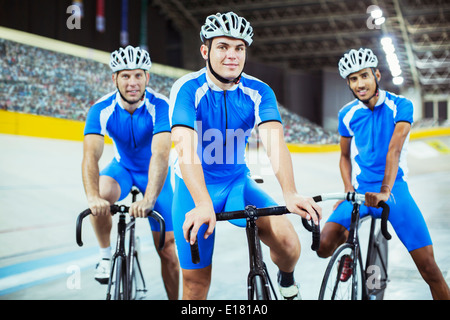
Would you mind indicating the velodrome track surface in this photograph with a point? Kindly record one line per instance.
(41, 194)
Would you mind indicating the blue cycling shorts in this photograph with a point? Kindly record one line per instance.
(405, 216)
(128, 178)
(231, 195)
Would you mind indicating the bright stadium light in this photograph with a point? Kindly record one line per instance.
(392, 60)
(379, 21)
(397, 80)
(376, 13)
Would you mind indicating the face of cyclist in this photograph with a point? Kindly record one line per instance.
(227, 56)
(363, 83)
(131, 84)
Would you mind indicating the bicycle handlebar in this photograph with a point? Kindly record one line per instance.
(359, 198)
(253, 212)
(122, 209)
(271, 211)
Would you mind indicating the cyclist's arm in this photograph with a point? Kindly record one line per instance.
(157, 173)
(345, 163)
(272, 137)
(399, 136)
(92, 151)
(185, 140)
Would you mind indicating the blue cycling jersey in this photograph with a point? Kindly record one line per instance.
(372, 132)
(223, 119)
(131, 133)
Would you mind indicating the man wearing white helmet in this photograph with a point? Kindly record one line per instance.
(374, 131)
(136, 118)
(212, 114)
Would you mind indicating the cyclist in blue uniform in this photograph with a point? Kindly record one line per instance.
(136, 118)
(212, 114)
(374, 131)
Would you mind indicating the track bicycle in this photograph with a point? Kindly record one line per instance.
(360, 282)
(126, 281)
(259, 284)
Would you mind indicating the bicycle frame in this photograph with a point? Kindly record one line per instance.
(257, 265)
(127, 260)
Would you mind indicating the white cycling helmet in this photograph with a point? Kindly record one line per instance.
(130, 58)
(227, 24)
(354, 60)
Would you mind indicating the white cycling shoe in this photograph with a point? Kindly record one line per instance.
(290, 293)
(103, 271)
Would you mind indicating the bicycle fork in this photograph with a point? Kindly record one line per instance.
(119, 254)
(258, 268)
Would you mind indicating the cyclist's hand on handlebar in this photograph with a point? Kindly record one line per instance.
(202, 214)
(141, 209)
(99, 206)
(306, 207)
(374, 198)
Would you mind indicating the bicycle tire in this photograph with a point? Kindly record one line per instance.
(259, 289)
(120, 283)
(137, 283)
(332, 287)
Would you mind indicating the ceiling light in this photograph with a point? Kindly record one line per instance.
(380, 21)
(397, 80)
(376, 13)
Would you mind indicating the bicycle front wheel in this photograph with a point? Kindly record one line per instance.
(258, 289)
(339, 286)
(120, 283)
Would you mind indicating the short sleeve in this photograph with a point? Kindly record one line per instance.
(267, 107)
(404, 111)
(162, 123)
(182, 106)
(93, 124)
(343, 126)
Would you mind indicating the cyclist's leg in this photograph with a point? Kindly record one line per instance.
(335, 230)
(110, 190)
(168, 256)
(114, 184)
(196, 277)
(409, 224)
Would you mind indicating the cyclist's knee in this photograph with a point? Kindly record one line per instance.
(331, 237)
(168, 253)
(426, 264)
(196, 283)
(327, 246)
(109, 189)
(291, 244)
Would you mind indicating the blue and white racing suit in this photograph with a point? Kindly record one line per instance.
(132, 136)
(371, 133)
(223, 121)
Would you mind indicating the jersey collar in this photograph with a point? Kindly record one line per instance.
(380, 101)
(215, 87)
